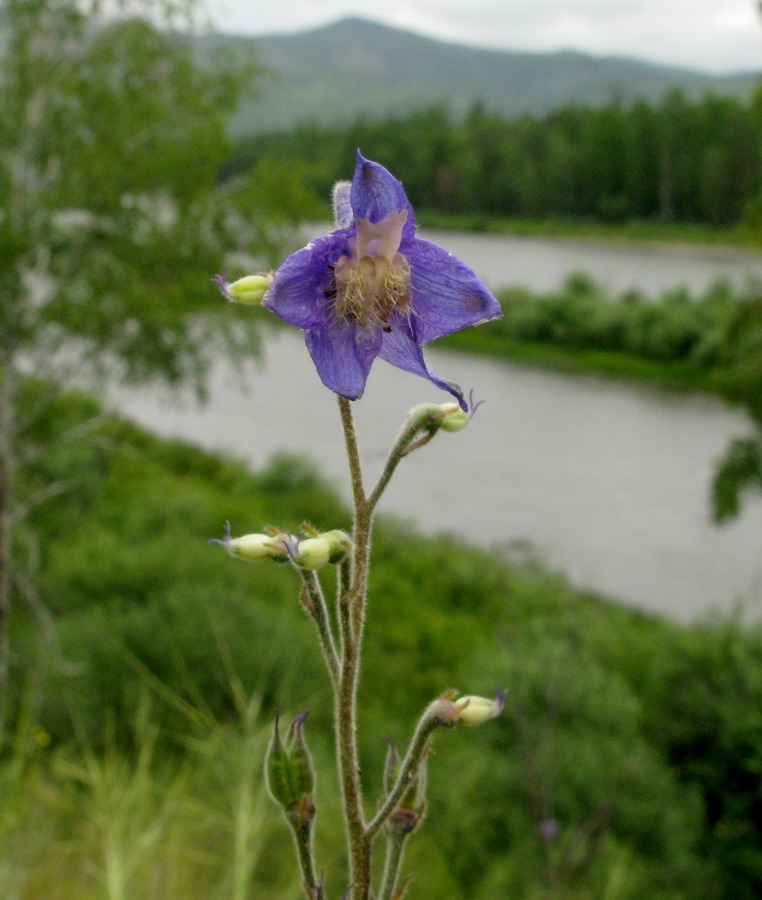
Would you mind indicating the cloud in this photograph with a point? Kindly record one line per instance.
(699, 33)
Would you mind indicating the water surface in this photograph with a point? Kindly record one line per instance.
(608, 481)
(542, 264)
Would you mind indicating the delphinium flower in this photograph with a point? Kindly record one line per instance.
(373, 289)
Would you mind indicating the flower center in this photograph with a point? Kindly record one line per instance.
(375, 280)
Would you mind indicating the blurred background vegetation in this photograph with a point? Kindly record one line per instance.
(142, 668)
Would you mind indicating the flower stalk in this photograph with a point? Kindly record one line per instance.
(314, 603)
(352, 616)
(372, 289)
(395, 850)
(415, 755)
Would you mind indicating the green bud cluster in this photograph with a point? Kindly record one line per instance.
(290, 776)
(311, 552)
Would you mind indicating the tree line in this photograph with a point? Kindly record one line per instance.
(670, 161)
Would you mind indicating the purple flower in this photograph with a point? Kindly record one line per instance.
(372, 288)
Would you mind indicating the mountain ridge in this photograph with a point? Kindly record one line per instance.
(357, 67)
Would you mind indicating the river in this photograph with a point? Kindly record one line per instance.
(606, 481)
(543, 263)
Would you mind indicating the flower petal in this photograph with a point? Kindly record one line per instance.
(342, 205)
(343, 354)
(298, 292)
(401, 350)
(447, 294)
(376, 192)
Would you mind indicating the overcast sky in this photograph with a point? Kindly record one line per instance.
(716, 35)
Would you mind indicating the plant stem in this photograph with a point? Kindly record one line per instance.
(353, 454)
(352, 615)
(402, 446)
(408, 768)
(344, 589)
(395, 849)
(303, 840)
(319, 612)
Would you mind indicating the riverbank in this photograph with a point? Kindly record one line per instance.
(171, 658)
(702, 238)
(676, 341)
(677, 376)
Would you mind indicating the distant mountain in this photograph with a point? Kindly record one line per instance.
(356, 67)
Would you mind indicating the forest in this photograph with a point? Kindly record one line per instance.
(671, 161)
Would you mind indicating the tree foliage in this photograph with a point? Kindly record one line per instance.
(673, 160)
(111, 136)
(112, 220)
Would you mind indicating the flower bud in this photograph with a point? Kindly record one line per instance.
(301, 762)
(476, 710)
(250, 289)
(312, 553)
(468, 710)
(255, 547)
(278, 772)
(290, 777)
(340, 544)
(391, 766)
(453, 417)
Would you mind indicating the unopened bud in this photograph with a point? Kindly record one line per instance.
(340, 544)
(301, 761)
(277, 770)
(430, 417)
(256, 547)
(476, 710)
(391, 766)
(253, 547)
(312, 553)
(250, 289)
(469, 710)
(453, 417)
(290, 778)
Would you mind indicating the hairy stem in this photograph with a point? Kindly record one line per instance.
(344, 591)
(408, 768)
(402, 446)
(318, 610)
(395, 850)
(352, 614)
(303, 840)
(353, 454)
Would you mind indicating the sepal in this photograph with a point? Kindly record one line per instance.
(289, 771)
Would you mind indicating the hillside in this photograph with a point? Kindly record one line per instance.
(356, 67)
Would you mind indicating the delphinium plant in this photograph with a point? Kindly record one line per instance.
(370, 289)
